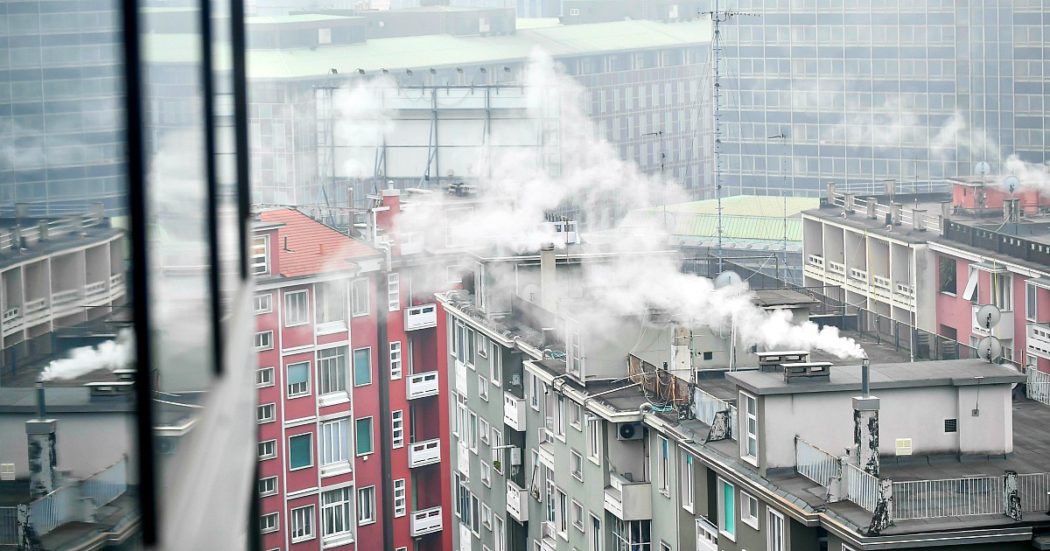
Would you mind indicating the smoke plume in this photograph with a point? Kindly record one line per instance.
(113, 354)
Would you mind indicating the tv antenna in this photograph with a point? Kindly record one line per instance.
(982, 168)
(1011, 183)
(718, 16)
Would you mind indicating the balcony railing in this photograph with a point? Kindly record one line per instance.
(426, 521)
(95, 289)
(816, 260)
(36, 310)
(628, 500)
(420, 317)
(63, 300)
(514, 411)
(423, 453)
(906, 290)
(116, 283)
(8, 526)
(816, 464)
(12, 318)
(858, 274)
(517, 502)
(836, 267)
(882, 282)
(1038, 343)
(421, 385)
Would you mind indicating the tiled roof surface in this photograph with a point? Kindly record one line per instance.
(307, 247)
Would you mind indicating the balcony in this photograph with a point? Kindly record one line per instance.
(463, 459)
(1003, 331)
(815, 260)
(116, 285)
(461, 378)
(64, 301)
(94, 292)
(836, 267)
(422, 385)
(858, 275)
(36, 310)
(423, 453)
(12, 319)
(517, 502)
(628, 500)
(423, 316)
(1038, 343)
(426, 521)
(514, 411)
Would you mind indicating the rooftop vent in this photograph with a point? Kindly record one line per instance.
(807, 371)
(772, 361)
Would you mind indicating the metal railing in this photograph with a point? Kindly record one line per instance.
(816, 464)
(953, 497)
(107, 485)
(1038, 387)
(861, 487)
(705, 406)
(8, 526)
(53, 510)
(1034, 490)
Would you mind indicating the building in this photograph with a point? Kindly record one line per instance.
(933, 264)
(351, 404)
(644, 80)
(60, 109)
(564, 437)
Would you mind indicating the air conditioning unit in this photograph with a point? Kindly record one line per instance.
(629, 431)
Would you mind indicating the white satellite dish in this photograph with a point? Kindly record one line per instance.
(725, 279)
(990, 349)
(982, 168)
(988, 316)
(1011, 183)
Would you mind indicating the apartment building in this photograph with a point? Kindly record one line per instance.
(932, 259)
(351, 406)
(619, 439)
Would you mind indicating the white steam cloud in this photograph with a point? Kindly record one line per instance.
(113, 354)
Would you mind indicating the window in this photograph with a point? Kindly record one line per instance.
(486, 516)
(1030, 311)
(748, 510)
(663, 457)
(483, 388)
(400, 498)
(595, 535)
(363, 435)
(359, 297)
(534, 392)
(362, 366)
(300, 451)
(576, 416)
(265, 413)
(576, 465)
(366, 505)
(575, 364)
(685, 480)
(486, 473)
(395, 360)
(335, 512)
(951, 425)
(330, 303)
(298, 379)
(749, 445)
(483, 346)
(302, 523)
(260, 261)
(499, 542)
(469, 357)
(1002, 291)
(475, 515)
(393, 292)
(594, 440)
(774, 530)
(563, 514)
(483, 430)
(267, 449)
(495, 364)
(576, 515)
(397, 429)
(709, 355)
(497, 443)
(472, 437)
(331, 369)
(267, 486)
(634, 534)
(296, 309)
(264, 377)
(263, 303)
(726, 509)
(335, 441)
(264, 341)
(948, 280)
(268, 523)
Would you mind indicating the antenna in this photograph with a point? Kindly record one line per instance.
(1011, 183)
(717, 18)
(990, 349)
(982, 168)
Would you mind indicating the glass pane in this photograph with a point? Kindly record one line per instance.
(299, 451)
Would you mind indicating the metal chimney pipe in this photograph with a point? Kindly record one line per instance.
(865, 377)
(41, 405)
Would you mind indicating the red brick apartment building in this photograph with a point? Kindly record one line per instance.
(351, 404)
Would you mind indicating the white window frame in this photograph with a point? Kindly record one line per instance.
(396, 369)
(776, 540)
(344, 508)
(1002, 286)
(366, 503)
(397, 429)
(287, 386)
(371, 436)
(498, 453)
(534, 391)
(576, 515)
(335, 441)
(499, 536)
(745, 516)
(265, 336)
(263, 528)
(325, 365)
(495, 364)
(262, 303)
(486, 473)
(483, 387)
(747, 416)
(663, 464)
(720, 485)
(484, 429)
(594, 440)
(686, 481)
(272, 444)
(304, 514)
(393, 292)
(1031, 301)
(482, 343)
(472, 431)
(400, 498)
(264, 377)
(288, 441)
(271, 407)
(261, 259)
(576, 465)
(270, 484)
(359, 305)
(475, 514)
(575, 416)
(486, 516)
(595, 534)
(302, 316)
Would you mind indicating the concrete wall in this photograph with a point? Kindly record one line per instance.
(86, 442)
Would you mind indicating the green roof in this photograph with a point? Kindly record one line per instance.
(744, 217)
(422, 52)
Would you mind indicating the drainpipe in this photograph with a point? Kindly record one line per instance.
(385, 443)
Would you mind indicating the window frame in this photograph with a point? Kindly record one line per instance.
(259, 448)
(353, 365)
(257, 300)
(370, 493)
(371, 437)
(276, 523)
(686, 481)
(746, 517)
(287, 377)
(396, 363)
(359, 306)
(342, 428)
(495, 357)
(265, 255)
(288, 308)
(750, 437)
(576, 465)
(307, 514)
(775, 519)
(343, 507)
(726, 511)
(594, 440)
(273, 413)
(400, 503)
(259, 374)
(397, 417)
(269, 336)
(663, 464)
(310, 447)
(393, 292)
(325, 374)
(273, 486)
(1031, 302)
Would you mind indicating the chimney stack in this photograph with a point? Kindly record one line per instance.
(849, 203)
(866, 424)
(897, 209)
(43, 462)
(548, 278)
(918, 219)
(891, 188)
(1011, 210)
(831, 192)
(873, 206)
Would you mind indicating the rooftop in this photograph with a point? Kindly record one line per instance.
(744, 218)
(307, 247)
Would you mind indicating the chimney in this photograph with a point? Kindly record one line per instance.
(946, 209)
(548, 278)
(891, 188)
(16, 237)
(866, 424)
(918, 219)
(21, 210)
(849, 202)
(1011, 210)
(42, 227)
(831, 192)
(873, 206)
(43, 462)
(897, 209)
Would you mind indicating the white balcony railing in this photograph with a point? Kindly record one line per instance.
(423, 453)
(96, 289)
(421, 385)
(906, 290)
(882, 282)
(36, 310)
(836, 267)
(1038, 343)
(517, 502)
(426, 521)
(858, 274)
(420, 317)
(63, 300)
(12, 318)
(816, 260)
(514, 411)
(628, 500)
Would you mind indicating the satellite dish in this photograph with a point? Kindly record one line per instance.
(1011, 183)
(990, 349)
(728, 278)
(988, 316)
(982, 168)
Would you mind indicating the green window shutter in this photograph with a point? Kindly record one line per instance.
(363, 436)
(362, 367)
(300, 451)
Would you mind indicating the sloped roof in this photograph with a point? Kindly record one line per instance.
(744, 217)
(307, 247)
